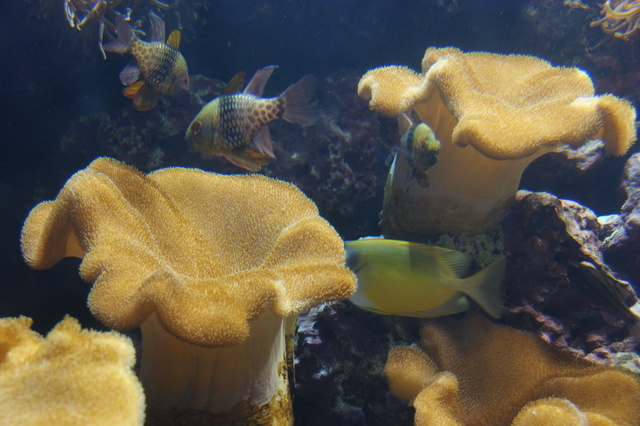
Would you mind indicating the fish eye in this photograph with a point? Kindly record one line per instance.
(195, 127)
(185, 82)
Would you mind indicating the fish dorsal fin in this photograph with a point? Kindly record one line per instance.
(156, 33)
(453, 261)
(259, 80)
(235, 84)
(174, 39)
(404, 122)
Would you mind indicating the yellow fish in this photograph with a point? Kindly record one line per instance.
(158, 66)
(235, 125)
(419, 280)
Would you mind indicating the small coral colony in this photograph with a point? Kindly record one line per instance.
(214, 269)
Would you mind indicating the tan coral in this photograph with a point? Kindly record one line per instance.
(493, 115)
(217, 261)
(71, 377)
(496, 371)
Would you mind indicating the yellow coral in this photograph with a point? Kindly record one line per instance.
(497, 372)
(216, 261)
(493, 115)
(71, 377)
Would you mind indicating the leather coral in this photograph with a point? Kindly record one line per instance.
(493, 115)
(472, 372)
(208, 265)
(71, 377)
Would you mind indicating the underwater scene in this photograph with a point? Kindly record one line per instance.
(279, 212)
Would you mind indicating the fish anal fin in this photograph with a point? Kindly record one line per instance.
(146, 98)
(455, 304)
(261, 142)
(484, 287)
(248, 159)
(174, 39)
(259, 80)
(130, 74)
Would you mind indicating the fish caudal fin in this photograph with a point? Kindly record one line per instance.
(484, 287)
(297, 108)
(125, 36)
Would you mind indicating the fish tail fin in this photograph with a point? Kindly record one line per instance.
(125, 36)
(297, 108)
(485, 287)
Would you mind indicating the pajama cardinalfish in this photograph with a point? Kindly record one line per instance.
(235, 126)
(158, 67)
(419, 280)
(422, 148)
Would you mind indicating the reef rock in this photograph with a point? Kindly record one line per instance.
(622, 244)
(544, 237)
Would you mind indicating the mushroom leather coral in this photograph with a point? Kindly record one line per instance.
(71, 377)
(205, 252)
(493, 115)
(208, 265)
(490, 374)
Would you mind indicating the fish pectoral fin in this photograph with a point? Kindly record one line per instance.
(485, 287)
(248, 159)
(146, 98)
(174, 39)
(130, 74)
(261, 142)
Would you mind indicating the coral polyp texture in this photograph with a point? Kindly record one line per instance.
(493, 115)
(476, 373)
(620, 18)
(71, 377)
(208, 265)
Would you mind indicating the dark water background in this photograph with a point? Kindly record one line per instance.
(49, 78)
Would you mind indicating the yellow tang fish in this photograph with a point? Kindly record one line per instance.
(163, 69)
(234, 125)
(419, 280)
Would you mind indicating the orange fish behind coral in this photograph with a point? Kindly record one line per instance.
(158, 67)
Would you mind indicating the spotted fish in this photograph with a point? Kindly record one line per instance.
(235, 126)
(158, 67)
(422, 148)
